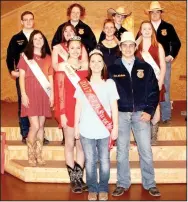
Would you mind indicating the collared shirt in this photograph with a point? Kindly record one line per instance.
(156, 24)
(128, 65)
(117, 26)
(74, 23)
(27, 34)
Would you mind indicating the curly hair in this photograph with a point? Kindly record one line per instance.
(82, 9)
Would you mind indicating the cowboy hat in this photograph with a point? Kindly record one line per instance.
(127, 36)
(154, 6)
(119, 11)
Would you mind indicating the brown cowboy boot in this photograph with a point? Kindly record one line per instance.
(75, 184)
(154, 133)
(79, 170)
(38, 149)
(31, 153)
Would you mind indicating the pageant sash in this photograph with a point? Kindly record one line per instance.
(38, 74)
(62, 53)
(97, 107)
(149, 59)
(71, 74)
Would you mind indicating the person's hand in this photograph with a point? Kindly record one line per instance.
(114, 134)
(77, 133)
(145, 117)
(169, 58)
(15, 74)
(25, 100)
(63, 121)
(51, 99)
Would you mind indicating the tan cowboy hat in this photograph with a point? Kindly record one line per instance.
(119, 11)
(154, 6)
(127, 36)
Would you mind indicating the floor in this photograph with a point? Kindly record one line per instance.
(15, 189)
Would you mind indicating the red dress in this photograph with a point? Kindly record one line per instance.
(154, 52)
(39, 104)
(62, 95)
(65, 102)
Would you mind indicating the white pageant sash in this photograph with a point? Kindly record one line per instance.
(149, 59)
(61, 52)
(38, 74)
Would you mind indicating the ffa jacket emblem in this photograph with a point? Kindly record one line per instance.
(140, 73)
(119, 75)
(164, 32)
(81, 31)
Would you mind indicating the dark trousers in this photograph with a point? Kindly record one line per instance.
(23, 121)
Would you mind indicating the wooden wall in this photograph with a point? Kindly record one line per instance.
(50, 14)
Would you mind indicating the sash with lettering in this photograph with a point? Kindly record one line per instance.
(98, 108)
(61, 52)
(149, 59)
(38, 74)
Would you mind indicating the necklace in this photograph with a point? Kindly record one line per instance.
(75, 69)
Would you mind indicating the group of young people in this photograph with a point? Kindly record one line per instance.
(99, 92)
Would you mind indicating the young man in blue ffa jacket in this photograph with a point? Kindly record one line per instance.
(139, 95)
(16, 46)
(75, 12)
(118, 16)
(167, 36)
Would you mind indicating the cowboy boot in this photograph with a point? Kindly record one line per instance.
(154, 133)
(31, 153)
(75, 184)
(38, 149)
(79, 170)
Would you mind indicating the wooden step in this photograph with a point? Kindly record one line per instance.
(55, 134)
(165, 150)
(56, 172)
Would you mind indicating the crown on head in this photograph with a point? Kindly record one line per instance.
(95, 51)
(75, 38)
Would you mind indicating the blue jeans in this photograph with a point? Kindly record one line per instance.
(94, 151)
(23, 121)
(142, 134)
(166, 105)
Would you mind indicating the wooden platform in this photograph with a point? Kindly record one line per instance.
(169, 155)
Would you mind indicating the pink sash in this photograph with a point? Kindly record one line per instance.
(98, 108)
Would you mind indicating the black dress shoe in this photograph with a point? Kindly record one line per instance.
(154, 191)
(24, 140)
(45, 141)
(119, 191)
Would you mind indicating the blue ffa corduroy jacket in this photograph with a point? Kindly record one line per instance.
(138, 92)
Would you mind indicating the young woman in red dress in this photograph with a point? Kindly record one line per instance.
(60, 54)
(66, 102)
(36, 102)
(150, 45)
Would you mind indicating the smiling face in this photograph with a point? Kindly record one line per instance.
(109, 29)
(38, 41)
(96, 63)
(118, 19)
(75, 14)
(146, 30)
(74, 49)
(128, 48)
(28, 21)
(68, 33)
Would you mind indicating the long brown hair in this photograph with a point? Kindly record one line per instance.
(154, 41)
(29, 50)
(63, 30)
(104, 73)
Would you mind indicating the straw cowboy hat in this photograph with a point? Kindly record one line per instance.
(119, 11)
(154, 6)
(127, 36)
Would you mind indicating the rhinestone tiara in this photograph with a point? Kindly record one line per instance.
(95, 51)
(75, 38)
